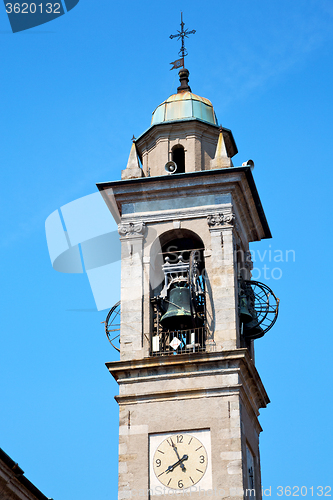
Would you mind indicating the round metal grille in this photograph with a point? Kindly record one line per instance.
(112, 325)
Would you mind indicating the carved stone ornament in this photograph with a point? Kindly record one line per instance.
(248, 261)
(131, 228)
(219, 219)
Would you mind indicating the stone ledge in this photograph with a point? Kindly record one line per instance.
(186, 366)
(181, 394)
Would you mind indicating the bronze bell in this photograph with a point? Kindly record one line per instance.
(252, 330)
(178, 315)
(244, 313)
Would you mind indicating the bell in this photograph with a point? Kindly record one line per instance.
(244, 312)
(178, 315)
(252, 330)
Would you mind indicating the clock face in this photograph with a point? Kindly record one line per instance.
(180, 461)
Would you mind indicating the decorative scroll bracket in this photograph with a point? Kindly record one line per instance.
(132, 229)
(220, 220)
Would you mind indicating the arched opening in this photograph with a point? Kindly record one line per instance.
(179, 314)
(171, 244)
(178, 156)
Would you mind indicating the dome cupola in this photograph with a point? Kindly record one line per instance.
(184, 105)
(183, 130)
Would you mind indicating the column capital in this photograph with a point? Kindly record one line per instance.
(221, 220)
(132, 229)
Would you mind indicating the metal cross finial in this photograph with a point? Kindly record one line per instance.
(181, 35)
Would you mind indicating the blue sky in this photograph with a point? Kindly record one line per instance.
(74, 91)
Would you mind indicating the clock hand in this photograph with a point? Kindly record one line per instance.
(179, 462)
(176, 451)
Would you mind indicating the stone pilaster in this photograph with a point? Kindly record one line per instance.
(222, 277)
(131, 334)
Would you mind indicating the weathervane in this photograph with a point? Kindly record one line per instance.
(181, 35)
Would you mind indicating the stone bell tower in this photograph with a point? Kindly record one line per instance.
(189, 392)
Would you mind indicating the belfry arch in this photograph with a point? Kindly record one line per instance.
(174, 242)
(178, 302)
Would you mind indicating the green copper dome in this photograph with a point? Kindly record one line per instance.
(184, 106)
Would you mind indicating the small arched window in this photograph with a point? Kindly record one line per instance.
(178, 156)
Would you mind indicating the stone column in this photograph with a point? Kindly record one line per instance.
(131, 296)
(222, 278)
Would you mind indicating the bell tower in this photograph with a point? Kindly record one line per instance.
(189, 392)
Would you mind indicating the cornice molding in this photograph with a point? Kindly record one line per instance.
(152, 369)
(236, 180)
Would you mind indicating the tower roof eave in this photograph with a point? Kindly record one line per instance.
(128, 186)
